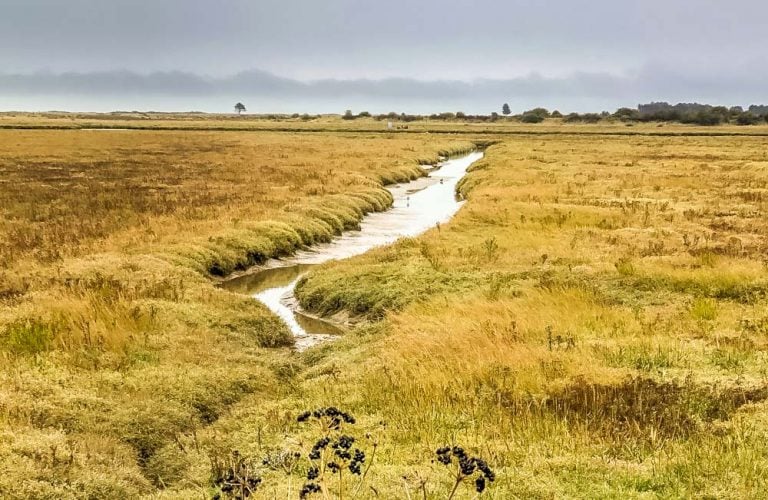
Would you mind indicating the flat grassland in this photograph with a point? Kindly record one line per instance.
(115, 342)
(332, 123)
(592, 323)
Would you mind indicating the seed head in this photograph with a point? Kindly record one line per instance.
(480, 484)
(304, 417)
(313, 473)
(308, 489)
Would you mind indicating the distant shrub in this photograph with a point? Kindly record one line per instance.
(591, 117)
(442, 116)
(536, 115)
(627, 114)
(543, 112)
(748, 119)
(707, 118)
(529, 117)
(585, 118)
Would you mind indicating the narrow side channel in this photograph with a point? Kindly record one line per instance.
(418, 206)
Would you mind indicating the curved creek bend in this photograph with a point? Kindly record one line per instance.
(418, 206)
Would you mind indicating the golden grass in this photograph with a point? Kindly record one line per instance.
(334, 123)
(608, 312)
(592, 322)
(116, 343)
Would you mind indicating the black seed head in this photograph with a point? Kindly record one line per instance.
(480, 484)
(304, 417)
(313, 473)
(467, 465)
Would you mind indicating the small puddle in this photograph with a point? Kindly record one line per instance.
(418, 206)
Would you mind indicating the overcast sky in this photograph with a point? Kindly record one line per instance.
(287, 55)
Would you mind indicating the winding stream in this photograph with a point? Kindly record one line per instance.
(418, 206)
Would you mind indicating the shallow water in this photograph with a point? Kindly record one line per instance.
(418, 206)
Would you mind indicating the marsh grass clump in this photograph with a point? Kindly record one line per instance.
(502, 285)
(703, 309)
(644, 357)
(29, 336)
(625, 267)
(754, 326)
(491, 249)
(431, 255)
(235, 477)
(641, 407)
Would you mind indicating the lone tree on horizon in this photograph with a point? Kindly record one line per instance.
(240, 108)
(505, 109)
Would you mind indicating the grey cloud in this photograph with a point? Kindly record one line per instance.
(430, 39)
(579, 91)
(423, 54)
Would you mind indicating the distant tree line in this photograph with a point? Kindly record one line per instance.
(690, 113)
(405, 117)
(695, 113)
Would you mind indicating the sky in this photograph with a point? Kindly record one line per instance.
(395, 55)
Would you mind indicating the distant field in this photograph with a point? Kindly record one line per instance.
(334, 123)
(593, 322)
(69, 193)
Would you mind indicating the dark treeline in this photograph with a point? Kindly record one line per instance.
(700, 114)
(405, 117)
(690, 113)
